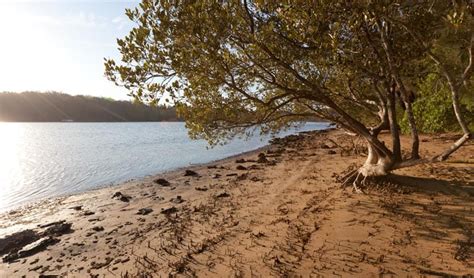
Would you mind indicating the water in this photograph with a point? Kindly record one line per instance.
(39, 160)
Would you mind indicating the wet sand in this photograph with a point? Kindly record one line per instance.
(278, 211)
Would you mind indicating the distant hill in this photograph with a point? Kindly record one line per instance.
(57, 107)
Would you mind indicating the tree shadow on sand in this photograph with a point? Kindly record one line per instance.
(441, 211)
(435, 186)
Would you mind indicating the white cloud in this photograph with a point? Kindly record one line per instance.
(117, 19)
(121, 22)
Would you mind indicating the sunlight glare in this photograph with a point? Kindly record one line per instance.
(11, 136)
(29, 52)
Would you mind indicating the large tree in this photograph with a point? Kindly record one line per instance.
(231, 65)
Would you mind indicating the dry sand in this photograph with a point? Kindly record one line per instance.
(287, 217)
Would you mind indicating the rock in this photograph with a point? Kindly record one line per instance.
(87, 213)
(276, 141)
(17, 240)
(332, 152)
(258, 234)
(274, 152)
(97, 265)
(216, 176)
(324, 146)
(190, 173)
(125, 198)
(240, 167)
(76, 207)
(58, 229)
(254, 167)
(271, 163)
(119, 196)
(36, 268)
(162, 182)
(144, 211)
(255, 179)
(177, 200)
(31, 249)
(242, 177)
(240, 160)
(75, 254)
(169, 210)
(212, 167)
(98, 228)
(262, 158)
(223, 195)
(51, 223)
(231, 175)
(201, 188)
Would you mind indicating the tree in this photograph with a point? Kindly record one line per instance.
(433, 108)
(57, 107)
(230, 65)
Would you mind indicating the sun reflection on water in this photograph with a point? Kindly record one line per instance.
(11, 135)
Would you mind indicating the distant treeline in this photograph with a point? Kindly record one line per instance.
(57, 107)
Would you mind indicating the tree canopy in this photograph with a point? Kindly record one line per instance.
(229, 65)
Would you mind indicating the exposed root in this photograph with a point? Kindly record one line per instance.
(360, 182)
(348, 176)
(355, 188)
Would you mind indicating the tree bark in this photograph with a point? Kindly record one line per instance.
(392, 118)
(375, 165)
(415, 141)
(398, 80)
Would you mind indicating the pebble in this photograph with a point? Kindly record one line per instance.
(144, 211)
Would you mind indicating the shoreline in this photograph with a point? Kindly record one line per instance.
(67, 181)
(274, 211)
(32, 203)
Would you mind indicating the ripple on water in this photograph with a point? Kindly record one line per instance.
(40, 160)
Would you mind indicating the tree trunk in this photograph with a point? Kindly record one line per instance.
(457, 105)
(392, 118)
(375, 165)
(415, 141)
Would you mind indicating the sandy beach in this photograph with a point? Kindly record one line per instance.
(275, 212)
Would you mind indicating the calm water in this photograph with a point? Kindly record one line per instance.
(39, 160)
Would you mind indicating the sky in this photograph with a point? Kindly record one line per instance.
(59, 45)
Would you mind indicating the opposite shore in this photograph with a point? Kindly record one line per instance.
(276, 211)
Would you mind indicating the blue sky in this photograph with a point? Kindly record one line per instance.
(60, 45)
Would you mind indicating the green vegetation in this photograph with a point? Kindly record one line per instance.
(433, 108)
(230, 65)
(57, 107)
